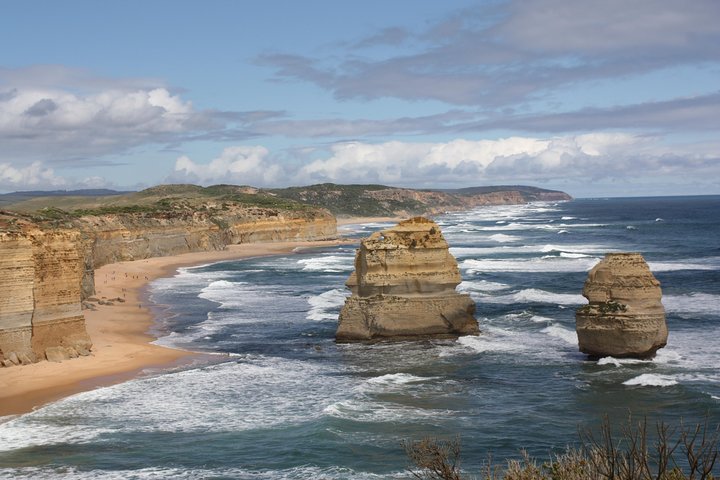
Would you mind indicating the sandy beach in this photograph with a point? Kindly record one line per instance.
(122, 346)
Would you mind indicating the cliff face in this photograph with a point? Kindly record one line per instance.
(47, 262)
(625, 316)
(404, 286)
(124, 237)
(40, 274)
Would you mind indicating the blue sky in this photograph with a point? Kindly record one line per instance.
(606, 98)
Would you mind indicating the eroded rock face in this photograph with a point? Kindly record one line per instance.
(404, 286)
(625, 316)
(40, 274)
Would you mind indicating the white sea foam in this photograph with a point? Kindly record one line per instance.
(534, 295)
(227, 294)
(323, 306)
(502, 238)
(562, 333)
(562, 231)
(699, 303)
(651, 380)
(481, 286)
(493, 340)
(573, 255)
(567, 218)
(567, 251)
(329, 263)
(551, 264)
(365, 410)
(182, 402)
(621, 361)
(177, 473)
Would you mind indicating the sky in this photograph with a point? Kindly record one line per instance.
(595, 98)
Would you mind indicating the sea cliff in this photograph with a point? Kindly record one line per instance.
(48, 258)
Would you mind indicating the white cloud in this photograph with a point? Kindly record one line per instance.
(573, 158)
(35, 175)
(38, 176)
(246, 165)
(62, 116)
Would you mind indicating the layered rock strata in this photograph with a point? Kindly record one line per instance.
(40, 274)
(404, 286)
(116, 238)
(625, 316)
(47, 267)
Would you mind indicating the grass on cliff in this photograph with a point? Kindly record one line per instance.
(349, 200)
(674, 453)
(163, 199)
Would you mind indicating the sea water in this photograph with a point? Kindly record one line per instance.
(279, 399)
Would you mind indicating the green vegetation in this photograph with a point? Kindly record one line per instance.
(604, 308)
(674, 453)
(350, 200)
(161, 200)
(343, 200)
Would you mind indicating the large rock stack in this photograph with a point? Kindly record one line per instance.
(625, 316)
(404, 287)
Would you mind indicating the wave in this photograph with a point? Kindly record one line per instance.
(293, 473)
(621, 361)
(568, 336)
(324, 306)
(548, 264)
(704, 264)
(651, 380)
(699, 303)
(533, 295)
(502, 238)
(186, 401)
(224, 292)
(481, 286)
(329, 263)
(362, 410)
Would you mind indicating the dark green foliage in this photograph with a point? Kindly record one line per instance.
(348, 200)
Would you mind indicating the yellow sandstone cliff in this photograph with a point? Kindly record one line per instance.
(40, 310)
(46, 266)
(625, 316)
(404, 286)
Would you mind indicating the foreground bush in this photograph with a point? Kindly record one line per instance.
(682, 453)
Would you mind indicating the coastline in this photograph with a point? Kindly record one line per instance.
(122, 347)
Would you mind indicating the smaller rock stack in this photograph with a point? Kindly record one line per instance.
(625, 316)
(404, 287)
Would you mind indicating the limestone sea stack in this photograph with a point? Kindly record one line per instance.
(403, 286)
(625, 316)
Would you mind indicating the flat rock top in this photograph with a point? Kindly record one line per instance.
(417, 232)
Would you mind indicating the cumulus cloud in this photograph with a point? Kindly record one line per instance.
(38, 176)
(578, 158)
(92, 123)
(66, 116)
(243, 165)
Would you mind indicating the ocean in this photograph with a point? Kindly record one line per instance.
(278, 399)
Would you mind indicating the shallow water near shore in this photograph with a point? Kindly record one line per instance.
(282, 400)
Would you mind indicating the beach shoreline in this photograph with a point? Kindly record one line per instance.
(122, 343)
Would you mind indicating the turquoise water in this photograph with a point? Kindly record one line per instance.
(281, 400)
